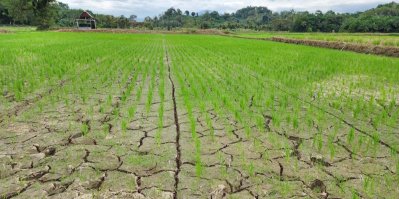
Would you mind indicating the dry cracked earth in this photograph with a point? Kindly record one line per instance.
(85, 152)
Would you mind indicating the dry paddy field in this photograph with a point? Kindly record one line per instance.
(97, 115)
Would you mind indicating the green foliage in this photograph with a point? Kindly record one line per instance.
(384, 18)
(29, 12)
(47, 13)
(19, 11)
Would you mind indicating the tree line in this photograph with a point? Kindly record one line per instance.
(383, 18)
(46, 14)
(51, 13)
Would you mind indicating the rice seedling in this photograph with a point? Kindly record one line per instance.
(351, 136)
(85, 129)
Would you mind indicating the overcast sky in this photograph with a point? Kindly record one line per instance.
(143, 8)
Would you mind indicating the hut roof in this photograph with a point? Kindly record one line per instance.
(85, 15)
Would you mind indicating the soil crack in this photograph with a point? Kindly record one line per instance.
(176, 118)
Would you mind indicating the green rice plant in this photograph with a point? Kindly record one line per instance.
(397, 169)
(368, 185)
(198, 166)
(318, 141)
(274, 140)
(376, 141)
(40, 106)
(90, 112)
(106, 129)
(229, 129)
(285, 188)
(360, 141)
(150, 92)
(260, 123)
(101, 109)
(376, 42)
(393, 151)
(131, 112)
(295, 122)
(124, 97)
(355, 194)
(124, 126)
(288, 119)
(276, 119)
(248, 131)
(287, 153)
(85, 129)
(109, 100)
(251, 169)
(116, 112)
(389, 43)
(210, 126)
(161, 92)
(350, 136)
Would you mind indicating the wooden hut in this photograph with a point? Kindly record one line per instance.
(86, 21)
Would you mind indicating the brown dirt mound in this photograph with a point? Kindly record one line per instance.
(367, 49)
(135, 31)
(4, 31)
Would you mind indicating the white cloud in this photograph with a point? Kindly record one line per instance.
(144, 8)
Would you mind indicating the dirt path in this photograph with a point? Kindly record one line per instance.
(342, 46)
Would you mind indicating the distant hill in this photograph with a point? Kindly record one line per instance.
(384, 18)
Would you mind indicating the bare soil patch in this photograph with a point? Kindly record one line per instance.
(4, 31)
(135, 31)
(367, 49)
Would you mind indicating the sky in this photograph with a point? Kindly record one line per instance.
(143, 8)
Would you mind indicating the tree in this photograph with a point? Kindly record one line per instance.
(205, 25)
(384, 18)
(4, 15)
(179, 12)
(66, 16)
(123, 22)
(133, 18)
(45, 12)
(302, 22)
(148, 23)
(19, 10)
(170, 12)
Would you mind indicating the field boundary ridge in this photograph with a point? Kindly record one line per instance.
(342, 46)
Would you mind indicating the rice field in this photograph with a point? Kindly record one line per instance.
(98, 115)
(376, 39)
